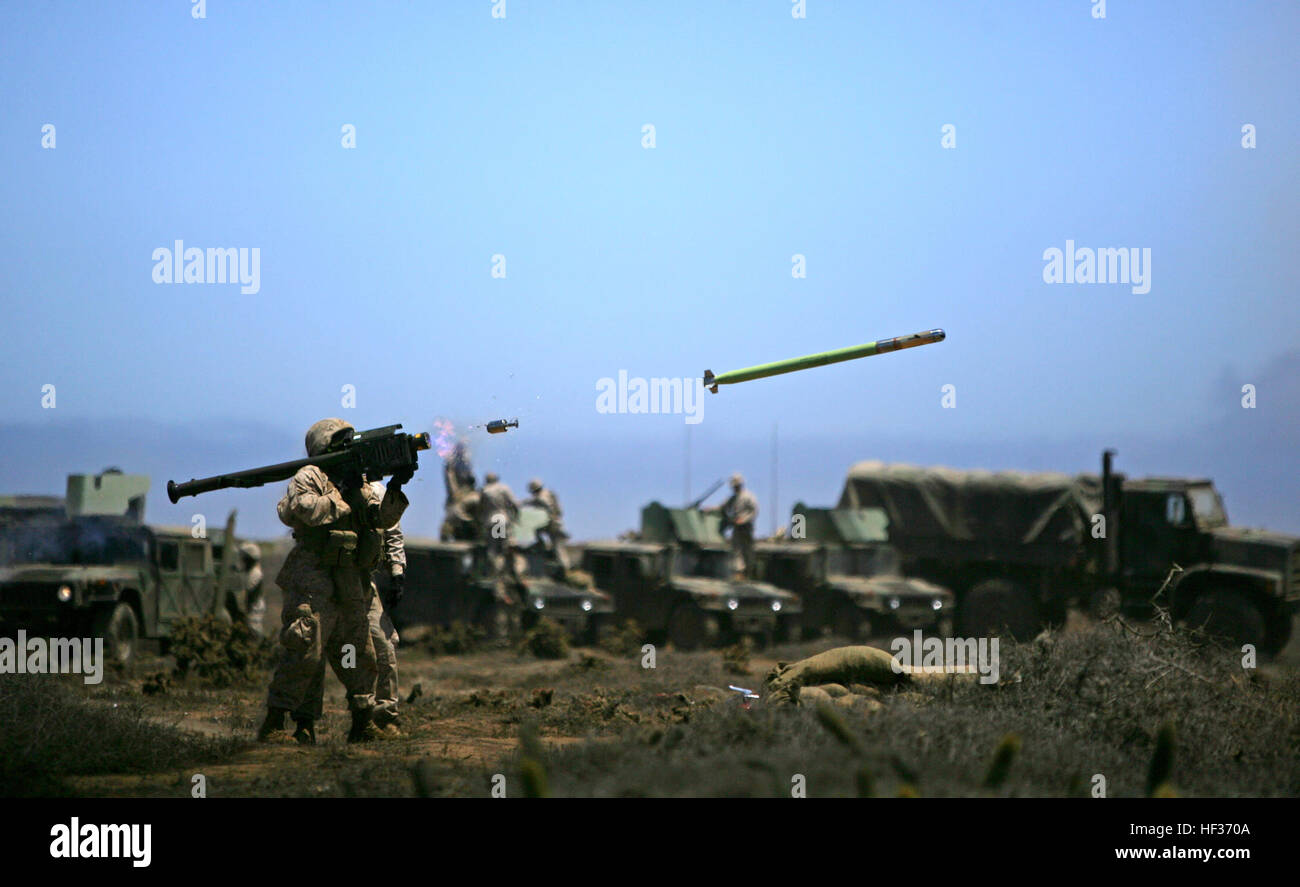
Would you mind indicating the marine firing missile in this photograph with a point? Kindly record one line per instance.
(776, 368)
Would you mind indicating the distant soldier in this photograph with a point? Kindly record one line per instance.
(498, 510)
(552, 535)
(739, 513)
(382, 633)
(337, 521)
(460, 520)
(254, 598)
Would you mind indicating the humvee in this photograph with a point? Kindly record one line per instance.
(676, 581)
(449, 582)
(840, 563)
(97, 571)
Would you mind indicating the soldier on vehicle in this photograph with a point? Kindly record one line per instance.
(254, 598)
(461, 516)
(338, 522)
(498, 510)
(552, 535)
(739, 513)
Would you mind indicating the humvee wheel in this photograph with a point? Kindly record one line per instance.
(598, 628)
(500, 623)
(1104, 603)
(1230, 616)
(121, 633)
(1279, 632)
(690, 628)
(995, 606)
(848, 621)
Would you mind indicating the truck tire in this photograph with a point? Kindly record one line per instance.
(849, 622)
(1230, 616)
(995, 606)
(1104, 603)
(1279, 631)
(690, 628)
(598, 628)
(120, 630)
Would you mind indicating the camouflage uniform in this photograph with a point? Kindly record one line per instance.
(382, 633)
(552, 534)
(326, 583)
(740, 512)
(254, 599)
(498, 509)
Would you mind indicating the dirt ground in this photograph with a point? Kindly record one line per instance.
(1092, 699)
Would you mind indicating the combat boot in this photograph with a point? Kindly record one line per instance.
(306, 732)
(363, 726)
(273, 727)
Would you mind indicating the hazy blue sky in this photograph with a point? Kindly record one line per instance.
(522, 137)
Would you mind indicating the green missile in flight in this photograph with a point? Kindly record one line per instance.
(776, 368)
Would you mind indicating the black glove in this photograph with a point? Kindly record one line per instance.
(396, 590)
(400, 477)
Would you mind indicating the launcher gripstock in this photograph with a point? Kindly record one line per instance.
(377, 453)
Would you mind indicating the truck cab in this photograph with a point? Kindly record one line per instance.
(1243, 584)
(677, 581)
(453, 581)
(97, 571)
(840, 563)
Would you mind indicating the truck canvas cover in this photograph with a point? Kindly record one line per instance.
(976, 506)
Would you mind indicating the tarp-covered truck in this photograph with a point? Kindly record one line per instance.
(1018, 548)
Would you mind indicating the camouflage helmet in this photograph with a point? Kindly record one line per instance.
(491, 477)
(250, 550)
(535, 485)
(324, 433)
(737, 480)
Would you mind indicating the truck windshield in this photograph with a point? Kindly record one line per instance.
(704, 563)
(1207, 507)
(78, 543)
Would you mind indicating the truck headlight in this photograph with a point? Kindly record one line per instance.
(65, 593)
(586, 606)
(936, 604)
(776, 606)
(894, 603)
(539, 604)
(732, 603)
(467, 562)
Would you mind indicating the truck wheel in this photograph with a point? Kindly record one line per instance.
(1279, 631)
(1230, 616)
(690, 628)
(598, 628)
(1104, 603)
(998, 606)
(121, 633)
(848, 622)
(500, 623)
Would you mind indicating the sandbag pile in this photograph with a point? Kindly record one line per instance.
(851, 677)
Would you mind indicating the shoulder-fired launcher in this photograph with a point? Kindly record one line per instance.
(377, 453)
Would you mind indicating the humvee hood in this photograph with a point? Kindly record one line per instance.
(52, 573)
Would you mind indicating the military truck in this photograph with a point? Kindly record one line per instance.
(448, 582)
(15, 510)
(676, 581)
(840, 563)
(98, 571)
(1018, 548)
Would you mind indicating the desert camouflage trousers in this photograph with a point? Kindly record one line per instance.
(384, 638)
(325, 617)
(742, 549)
